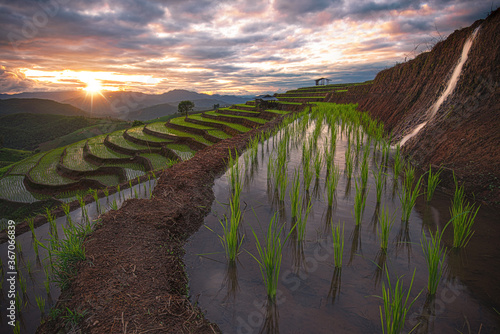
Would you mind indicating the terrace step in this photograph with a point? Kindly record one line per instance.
(193, 130)
(189, 141)
(232, 119)
(236, 112)
(245, 107)
(226, 128)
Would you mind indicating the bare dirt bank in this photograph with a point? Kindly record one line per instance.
(465, 134)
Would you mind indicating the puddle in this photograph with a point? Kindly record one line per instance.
(36, 277)
(313, 296)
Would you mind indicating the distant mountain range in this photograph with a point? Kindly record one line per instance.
(121, 104)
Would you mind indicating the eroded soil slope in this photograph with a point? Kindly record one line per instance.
(465, 134)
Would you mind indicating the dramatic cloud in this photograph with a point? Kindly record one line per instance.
(225, 46)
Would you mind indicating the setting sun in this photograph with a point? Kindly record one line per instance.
(93, 86)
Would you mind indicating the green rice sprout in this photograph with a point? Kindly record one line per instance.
(408, 194)
(434, 255)
(359, 203)
(96, 200)
(269, 255)
(31, 224)
(349, 166)
(385, 224)
(364, 174)
(40, 302)
(282, 184)
(396, 304)
(331, 184)
(301, 222)
(136, 194)
(379, 182)
(307, 175)
(318, 164)
(463, 216)
(295, 198)
(106, 192)
(432, 182)
(230, 238)
(114, 205)
(83, 207)
(52, 223)
(338, 245)
(22, 283)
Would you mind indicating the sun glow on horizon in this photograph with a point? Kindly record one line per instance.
(93, 86)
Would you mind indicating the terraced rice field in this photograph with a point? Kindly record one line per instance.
(45, 173)
(12, 189)
(158, 161)
(138, 133)
(183, 151)
(237, 127)
(253, 119)
(22, 167)
(74, 158)
(46, 170)
(118, 139)
(97, 148)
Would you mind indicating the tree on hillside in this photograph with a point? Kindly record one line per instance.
(185, 107)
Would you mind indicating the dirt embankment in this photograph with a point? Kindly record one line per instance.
(464, 136)
(133, 280)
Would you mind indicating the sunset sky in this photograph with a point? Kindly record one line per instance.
(225, 47)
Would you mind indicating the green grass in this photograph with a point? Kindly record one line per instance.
(74, 158)
(237, 127)
(45, 172)
(97, 148)
(279, 112)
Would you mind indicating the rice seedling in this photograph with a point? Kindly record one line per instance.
(331, 184)
(359, 203)
(40, 302)
(364, 174)
(338, 245)
(22, 283)
(301, 221)
(307, 174)
(398, 162)
(83, 208)
(434, 255)
(318, 164)
(408, 194)
(68, 252)
(295, 198)
(348, 164)
(432, 182)
(385, 224)
(95, 194)
(106, 192)
(463, 216)
(379, 182)
(136, 194)
(396, 304)
(282, 184)
(269, 255)
(114, 205)
(52, 223)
